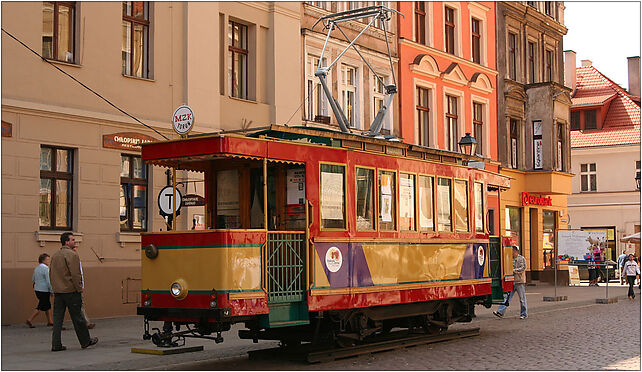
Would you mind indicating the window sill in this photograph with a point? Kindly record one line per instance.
(139, 78)
(123, 237)
(44, 236)
(242, 99)
(70, 64)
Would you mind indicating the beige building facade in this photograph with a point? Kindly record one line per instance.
(71, 162)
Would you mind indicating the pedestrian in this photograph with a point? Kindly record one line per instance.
(632, 271)
(84, 311)
(621, 259)
(42, 287)
(66, 281)
(519, 286)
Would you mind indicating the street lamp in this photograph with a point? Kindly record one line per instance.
(637, 180)
(467, 145)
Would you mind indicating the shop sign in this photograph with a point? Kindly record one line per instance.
(183, 120)
(7, 129)
(126, 141)
(193, 200)
(535, 200)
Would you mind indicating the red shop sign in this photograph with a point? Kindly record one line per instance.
(536, 200)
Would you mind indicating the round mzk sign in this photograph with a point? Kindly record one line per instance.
(183, 120)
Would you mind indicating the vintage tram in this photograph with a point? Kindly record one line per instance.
(319, 236)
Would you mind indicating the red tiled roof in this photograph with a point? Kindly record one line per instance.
(621, 124)
(623, 135)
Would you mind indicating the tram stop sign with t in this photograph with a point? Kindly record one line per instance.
(165, 198)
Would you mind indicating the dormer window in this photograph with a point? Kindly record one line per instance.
(590, 119)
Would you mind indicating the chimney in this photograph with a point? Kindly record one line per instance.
(634, 75)
(569, 69)
(587, 63)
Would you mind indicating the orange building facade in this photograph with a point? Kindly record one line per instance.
(448, 75)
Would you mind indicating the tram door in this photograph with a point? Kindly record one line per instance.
(285, 251)
(497, 293)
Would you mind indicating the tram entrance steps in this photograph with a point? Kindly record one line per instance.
(286, 314)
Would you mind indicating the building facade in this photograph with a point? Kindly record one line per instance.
(605, 147)
(533, 128)
(359, 93)
(71, 162)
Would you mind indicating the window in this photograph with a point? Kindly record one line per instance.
(228, 211)
(365, 199)
(514, 143)
(590, 121)
(378, 95)
(443, 204)
(56, 188)
(549, 65)
(407, 202)
(135, 48)
(320, 4)
(512, 56)
(58, 30)
(449, 27)
(387, 199)
(317, 102)
(476, 39)
(349, 92)
(237, 60)
(426, 220)
(514, 223)
(531, 62)
(332, 188)
(575, 120)
(423, 116)
(420, 22)
(478, 126)
(548, 237)
(451, 124)
(479, 207)
(532, 4)
(637, 171)
(588, 177)
(461, 205)
(549, 8)
(538, 145)
(133, 193)
(379, 23)
(560, 147)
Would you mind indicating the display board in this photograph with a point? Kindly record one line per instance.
(573, 275)
(576, 244)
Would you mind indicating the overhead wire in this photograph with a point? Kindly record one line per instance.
(83, 85)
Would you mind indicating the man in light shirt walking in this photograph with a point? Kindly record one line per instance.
(519, 286)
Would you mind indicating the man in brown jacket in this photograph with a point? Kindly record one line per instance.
(66, 281)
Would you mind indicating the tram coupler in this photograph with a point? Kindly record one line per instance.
(218, 338)
(146, 335)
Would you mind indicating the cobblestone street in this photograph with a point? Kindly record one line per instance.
(588, 337)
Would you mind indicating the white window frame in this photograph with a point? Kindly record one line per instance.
(478, 12)
(311, 108)
(428, 26)
(460, 114)
(485, 102)
(356, 89)
(457, 8)
(589, 173)
(387, 121)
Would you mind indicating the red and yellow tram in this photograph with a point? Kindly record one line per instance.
(316, 235)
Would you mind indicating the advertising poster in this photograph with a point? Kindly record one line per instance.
(296, 186)
(332, 196)
(386, 208)
(576, 244)
(406, 198)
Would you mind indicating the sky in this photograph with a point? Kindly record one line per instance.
(605, 33)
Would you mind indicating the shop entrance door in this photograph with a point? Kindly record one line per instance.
(534, 249)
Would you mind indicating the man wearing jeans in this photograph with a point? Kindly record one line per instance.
(66, 281)
(519, 285)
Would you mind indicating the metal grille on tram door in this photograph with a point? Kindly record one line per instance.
(285, 267)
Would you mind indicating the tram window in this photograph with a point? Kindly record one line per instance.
(387, 201)
(228, 214)
(461, 205)
(295, 199)
(407, 202)
(479, 207)
(426, 219)
(365, 199)
(443, 204)
(332, 192)
(257, 215)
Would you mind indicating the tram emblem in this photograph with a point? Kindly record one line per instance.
(333, 259)
(480, 255)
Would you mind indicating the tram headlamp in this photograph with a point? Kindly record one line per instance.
(151, 251)
(178, 289)
(213, 302)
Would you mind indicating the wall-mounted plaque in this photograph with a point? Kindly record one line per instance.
(126, 141)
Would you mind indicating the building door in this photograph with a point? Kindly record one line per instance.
(534, 247)
(549, 224)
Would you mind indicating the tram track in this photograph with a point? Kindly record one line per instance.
(312, 354)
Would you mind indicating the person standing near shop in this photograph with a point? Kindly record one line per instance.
(42, 287)
(66, 281)
(519, 286)
(632, 271)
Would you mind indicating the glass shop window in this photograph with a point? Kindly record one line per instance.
(407, 202)
(332, 191)
(444, 211)
(365, 199)
(426, 200)
(387, 201)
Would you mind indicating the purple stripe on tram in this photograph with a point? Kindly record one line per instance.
(360, 271)
(471, 269)
(349, 269)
